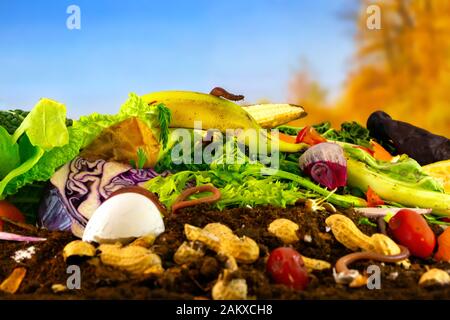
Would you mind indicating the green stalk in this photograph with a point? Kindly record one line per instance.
(360, 176)
(345, 201)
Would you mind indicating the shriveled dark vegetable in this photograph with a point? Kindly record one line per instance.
(420, 144)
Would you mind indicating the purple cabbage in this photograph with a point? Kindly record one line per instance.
(80, 187)
(325, 163)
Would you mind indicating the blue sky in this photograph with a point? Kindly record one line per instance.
(251, 47)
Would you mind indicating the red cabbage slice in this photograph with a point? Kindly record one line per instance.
(81, 186)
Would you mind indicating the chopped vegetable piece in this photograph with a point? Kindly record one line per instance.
(272, 115)
(402, 182)
(366, 221)
(9, 211)
(17, 237)
(440, 171)
(286, 138)
(310, 136)
(13, 282)
(326, 164)
(373, 199)
(379, 152)
(381, 212)
(443, 252)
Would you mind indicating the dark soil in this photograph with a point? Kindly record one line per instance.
(194, 281)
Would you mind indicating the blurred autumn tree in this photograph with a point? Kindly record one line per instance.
(402, 68)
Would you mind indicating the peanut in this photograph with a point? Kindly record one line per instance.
(188, 252)
(221, 239)
(211, 240)
(348, 234)
(243, 249)
(78, 248)
(315, 264)
(133, 259)
(434, 277)
(224, 289)
(285, 230)
(145, 241)
(382, 244)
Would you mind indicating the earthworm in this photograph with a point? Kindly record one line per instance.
(221, 92)
(144, 192)
(382, 225)
(180, 202)
(342, 263)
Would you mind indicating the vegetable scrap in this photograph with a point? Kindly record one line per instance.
(146, 200)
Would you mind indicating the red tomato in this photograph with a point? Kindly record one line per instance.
(373, 199)
(412, 230)
(286, 266)
(310, 136)
(443, 252)
(9, 211)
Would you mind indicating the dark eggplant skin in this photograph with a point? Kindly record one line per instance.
(420, 144)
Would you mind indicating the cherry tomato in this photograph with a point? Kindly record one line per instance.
(412, 230)
(286, 266)
(373, 199)
(9, 211)
(310, 136)
(443, 252)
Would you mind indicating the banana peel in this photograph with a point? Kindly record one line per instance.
(196, 110)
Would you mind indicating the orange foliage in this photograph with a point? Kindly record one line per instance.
(402, 68)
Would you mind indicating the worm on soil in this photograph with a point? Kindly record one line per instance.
(181, 201)
(221, 92)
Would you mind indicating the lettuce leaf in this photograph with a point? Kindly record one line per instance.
(9, 153)
(156, 117)
(405, 169)
(42, 129)
(45, 125)
(53, 151)
(402, 182)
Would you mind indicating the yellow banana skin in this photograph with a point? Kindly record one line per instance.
(213, 112)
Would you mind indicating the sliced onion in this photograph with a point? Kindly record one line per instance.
(381, 212)
(17, 237)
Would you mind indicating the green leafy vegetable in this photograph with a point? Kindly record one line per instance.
(141, 159)
(433, 219)
(45, 125)
(366, 221)
(246, 183)
(351, 132)
(9, 153)
(402, 182)
(43, 129)
(155, 116)
(42, 165)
